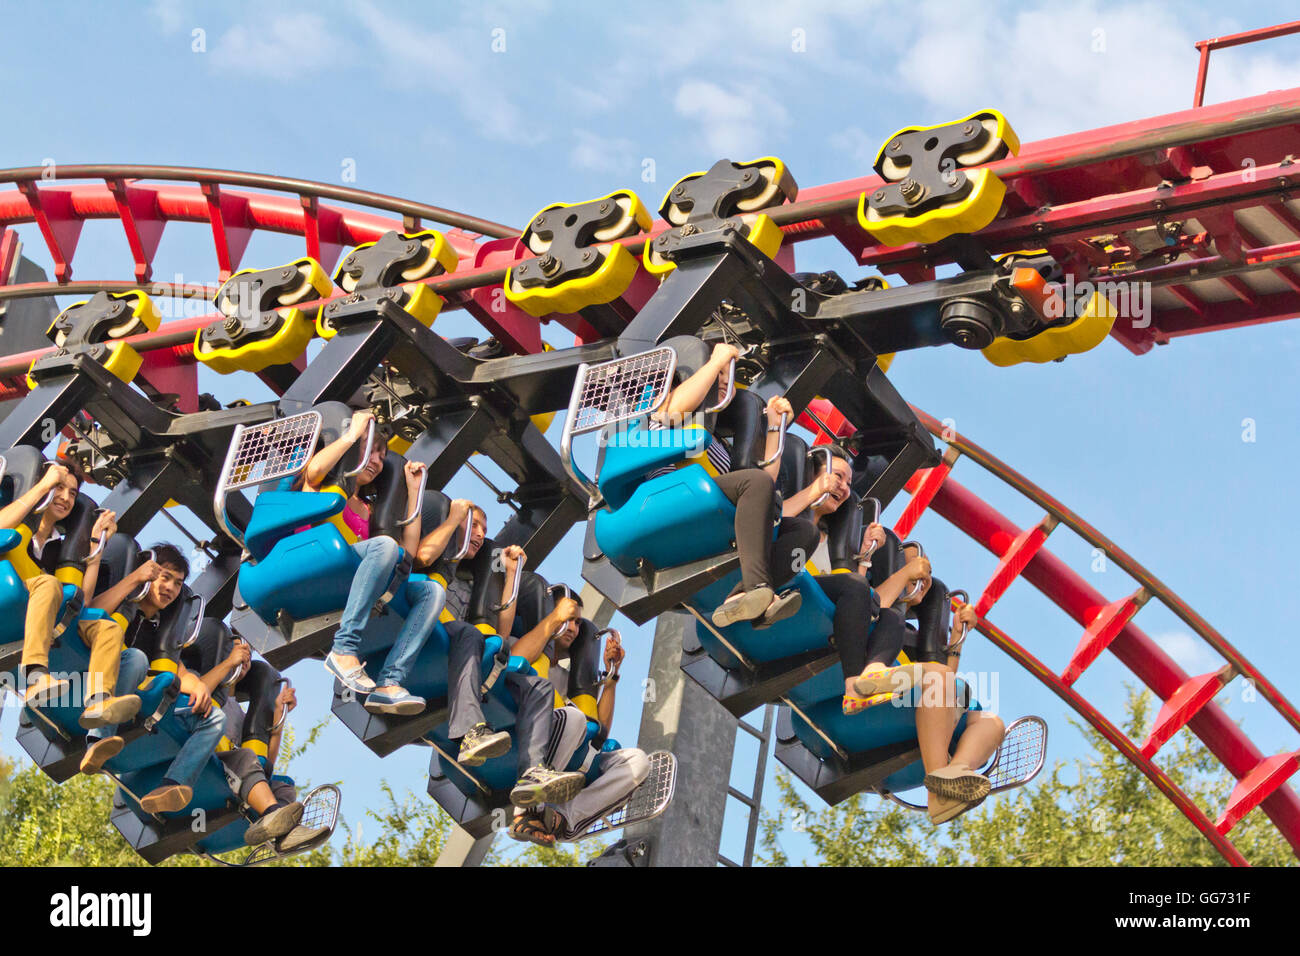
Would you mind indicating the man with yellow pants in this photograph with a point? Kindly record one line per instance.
(37, 562)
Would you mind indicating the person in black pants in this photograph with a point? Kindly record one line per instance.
(764, 562)
(867, 630)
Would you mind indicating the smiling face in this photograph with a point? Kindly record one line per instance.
(374, 464)
(163, 590)
(65, 496)
(836, 498)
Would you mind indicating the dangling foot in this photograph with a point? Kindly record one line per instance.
(782, 606)
(394, 700)
(943, 810)
(480, 743)
(44, 689)
(853, 704)
(743, 606)
(958, 782)
(275, 823)
(100, 752)
(879, 679)
(350, 675)
(109, 711)
(535, 827)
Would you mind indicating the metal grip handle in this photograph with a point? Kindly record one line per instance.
(370, 446)
(45, 503)
(731, 391)
(826, 470)
(279, 724)
(514, 585)
(955, 646)
(780, 443)
(469, 528)
(198, 621)
(103, 539)
(419, 498)
(920, 553)
(866, 554)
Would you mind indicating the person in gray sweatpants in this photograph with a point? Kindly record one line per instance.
(544, 819)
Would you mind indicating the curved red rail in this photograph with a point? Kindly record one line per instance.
(1188, 700)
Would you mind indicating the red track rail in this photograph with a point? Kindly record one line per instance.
(1188, 701)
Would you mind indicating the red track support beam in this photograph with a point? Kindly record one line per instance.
(1267, 777)
(1191, 696)
(931, 479)
(52, 209)
(1016, 556)
(137, 208)
(230, 231)
(1103, 629)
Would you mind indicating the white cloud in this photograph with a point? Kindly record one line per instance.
(1190, 653)
(857, 150)
(603, 154)
(283, 47)
(739, 123)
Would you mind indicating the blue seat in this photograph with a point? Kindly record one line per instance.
(278, 514)
(305, 574)
(807, 630)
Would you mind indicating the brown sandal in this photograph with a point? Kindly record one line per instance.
(531, 827)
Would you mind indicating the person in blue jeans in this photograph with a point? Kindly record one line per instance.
(149, 648)
(379, 557)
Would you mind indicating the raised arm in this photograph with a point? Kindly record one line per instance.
(105, 527)
(286, 699)
(776, 407)
(435, 542)
(915, 570)
(533, 644)
(12, 514)
(112, 599)
(692, 393)
(614, 654)
(411, 533)
(240, 654)
(323, 461)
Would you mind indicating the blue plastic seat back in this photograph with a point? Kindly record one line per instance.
(13, 604)
(211, 794)
(670, 520)
(892, 722)
(9, 539)
(633, 453)
(306, 574)
(499, 710)
(278, 514)
(808, 629)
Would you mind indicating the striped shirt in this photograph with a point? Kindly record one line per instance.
(717, 453)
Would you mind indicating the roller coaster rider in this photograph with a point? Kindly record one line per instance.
(45, 551)
(764, 563)
(229, 673)
(620, 771)
(866, 632)
(149, 648)
(379, 556)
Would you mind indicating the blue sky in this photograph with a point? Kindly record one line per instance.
(500, 108)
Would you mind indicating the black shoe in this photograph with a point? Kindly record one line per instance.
(481, 742)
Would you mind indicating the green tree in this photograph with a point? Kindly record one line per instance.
(1110, 815)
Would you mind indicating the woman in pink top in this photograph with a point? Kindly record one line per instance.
(379, 556)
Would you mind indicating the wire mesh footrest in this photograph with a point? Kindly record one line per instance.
(646, 802)
(1021, 754)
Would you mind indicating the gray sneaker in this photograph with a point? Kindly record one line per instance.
(279, 822)
(481, 742)
(544, 785)
(743, 606)
(299, 837)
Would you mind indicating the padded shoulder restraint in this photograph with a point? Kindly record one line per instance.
(72, 548)
(844, 533)
(933, 624)
(121, 556)
(23, 466)
(433, 512)
(744, 423)
(485, 586)
(533, 604)
(390, 505)
(692, 355)
(887, 559)
(794, 474)
(584, 668)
